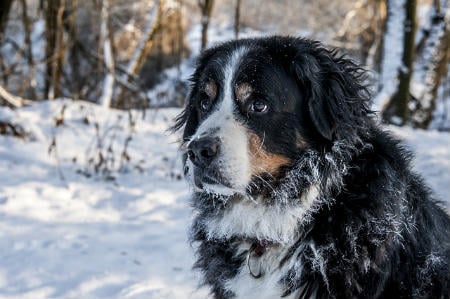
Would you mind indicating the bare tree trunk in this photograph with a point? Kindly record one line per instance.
(5, 7)
(431, 64)
(392, 52)
(54, 47)
(373, 59)
(50, 12)
(74, 51)
(396, 109)
(29, 49)
(180, 37)
(105, 37)
(144, 46)
(206, 7)
(237, 16)
(59, 58)
(146, 42)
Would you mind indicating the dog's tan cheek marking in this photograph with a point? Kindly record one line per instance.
(243, 91)
(262, 161)
(211, 89)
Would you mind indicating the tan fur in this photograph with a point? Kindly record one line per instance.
(243, 91)
(211, 89)
(262, 161)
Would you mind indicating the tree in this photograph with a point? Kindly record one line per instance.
(29, 49)
(74, 51)
(105, 36)
(396, 109)
(54, 50)
(5, 7)
(431, 64)
(237, 16)
(362, 29)
(206, 7)
(143, 47)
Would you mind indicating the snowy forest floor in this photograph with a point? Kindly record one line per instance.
(69, 232)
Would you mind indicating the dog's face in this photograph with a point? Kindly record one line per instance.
(255, 106)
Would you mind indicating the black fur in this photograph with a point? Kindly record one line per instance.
(376, 231)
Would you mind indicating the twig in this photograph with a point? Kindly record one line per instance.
(12, 99)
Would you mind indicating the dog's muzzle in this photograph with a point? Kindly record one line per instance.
(203, 153)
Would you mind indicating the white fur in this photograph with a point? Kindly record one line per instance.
(234, 160)
(253, 219)
(244, 286)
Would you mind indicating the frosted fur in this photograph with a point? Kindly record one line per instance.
(280, 221)
(253, 219)
(345, 218)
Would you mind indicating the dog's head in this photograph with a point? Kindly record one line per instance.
(257, 104)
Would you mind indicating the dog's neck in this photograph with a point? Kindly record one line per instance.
(250, 219)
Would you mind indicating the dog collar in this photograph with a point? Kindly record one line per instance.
(256, 250)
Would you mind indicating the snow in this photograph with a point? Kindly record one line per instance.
(432, 157)
(69, 231)
(123, 235)
(89, 237)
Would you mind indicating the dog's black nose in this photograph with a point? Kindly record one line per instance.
(203, 151)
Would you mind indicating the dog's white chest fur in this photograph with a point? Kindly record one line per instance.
(254, 220)
(268, 286)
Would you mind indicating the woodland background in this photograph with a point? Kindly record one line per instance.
(92, 198)
(112, 52)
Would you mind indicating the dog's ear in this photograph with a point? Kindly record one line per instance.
(337, 96)
(188, 118)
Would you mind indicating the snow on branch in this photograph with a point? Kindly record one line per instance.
(108, 83)
(430, 64)
(392, 51)
(12, 99)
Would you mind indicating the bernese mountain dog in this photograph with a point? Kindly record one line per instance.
(297, 190)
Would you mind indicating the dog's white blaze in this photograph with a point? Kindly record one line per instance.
(233, 158)
(253, 219)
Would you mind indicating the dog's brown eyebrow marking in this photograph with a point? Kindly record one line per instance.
(211, 89)
(243, 91)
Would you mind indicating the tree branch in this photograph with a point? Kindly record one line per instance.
(12, 99)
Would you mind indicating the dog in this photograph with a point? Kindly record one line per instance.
(297, 190)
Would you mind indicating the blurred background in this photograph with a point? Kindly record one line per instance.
(92, 198)
(115, 52)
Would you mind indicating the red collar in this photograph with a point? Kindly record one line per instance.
(259, 247)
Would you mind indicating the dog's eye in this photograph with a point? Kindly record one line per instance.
(258, 107)
(204, 104)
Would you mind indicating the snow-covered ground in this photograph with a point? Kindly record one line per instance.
(93, 237)
(67, 232)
